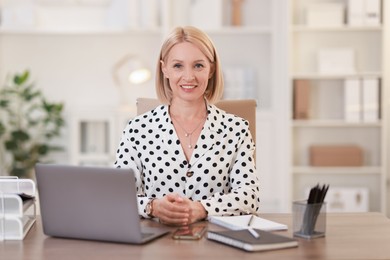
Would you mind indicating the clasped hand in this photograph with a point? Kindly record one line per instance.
(176, 210)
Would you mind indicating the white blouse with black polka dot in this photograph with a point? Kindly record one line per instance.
(221, 173)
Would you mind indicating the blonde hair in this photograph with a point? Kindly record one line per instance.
(195, 36)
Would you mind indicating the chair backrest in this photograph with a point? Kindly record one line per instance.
(245, 108)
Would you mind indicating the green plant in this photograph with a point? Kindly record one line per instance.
(27, 124)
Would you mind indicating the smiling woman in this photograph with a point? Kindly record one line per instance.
(187, 69)
(194, 43)
(191, 159)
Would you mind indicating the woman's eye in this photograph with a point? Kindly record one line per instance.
(177, 65)
(199, 66)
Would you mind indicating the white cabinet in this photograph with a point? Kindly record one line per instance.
(94, 136)
(324, 59)
(91, 142)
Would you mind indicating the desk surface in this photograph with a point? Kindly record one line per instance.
(348, 236)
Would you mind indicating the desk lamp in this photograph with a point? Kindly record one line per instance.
(135, 72)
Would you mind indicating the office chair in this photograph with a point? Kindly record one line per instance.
(245, 108)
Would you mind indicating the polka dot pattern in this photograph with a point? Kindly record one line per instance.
(221, 173)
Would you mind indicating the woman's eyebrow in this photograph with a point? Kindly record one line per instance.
(195, 61)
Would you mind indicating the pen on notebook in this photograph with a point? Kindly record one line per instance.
(251, 230)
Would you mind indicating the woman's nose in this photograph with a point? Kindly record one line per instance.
(189, 75)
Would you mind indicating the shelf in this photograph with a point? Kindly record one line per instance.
(332, 123)
(16, 215)
(95, 157)
(105, 160)
(317, 76)
(364, 170)
(226, 30)
(241, 30)
(342, 29)
(16, 228)
(87, 32)
(9, 184)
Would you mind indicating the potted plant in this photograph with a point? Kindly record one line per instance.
(27, 124)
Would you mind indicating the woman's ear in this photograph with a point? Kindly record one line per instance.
(164, 68)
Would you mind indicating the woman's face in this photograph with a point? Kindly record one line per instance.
(188, 71)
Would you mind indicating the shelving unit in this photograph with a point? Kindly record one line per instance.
(326, 123)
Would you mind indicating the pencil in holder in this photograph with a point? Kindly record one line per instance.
(309, 220)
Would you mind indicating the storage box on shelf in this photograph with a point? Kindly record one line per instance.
(335, 155)
(345, 199)
(17, 207)
(336, 78)
(323, 14)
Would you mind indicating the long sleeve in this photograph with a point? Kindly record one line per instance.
(243, 195)
(126, 157)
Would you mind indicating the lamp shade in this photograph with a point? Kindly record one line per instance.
(132, 68)
(139, 75)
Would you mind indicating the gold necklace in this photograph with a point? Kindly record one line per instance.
(189, 134)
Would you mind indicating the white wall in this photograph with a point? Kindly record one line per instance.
(76, 69)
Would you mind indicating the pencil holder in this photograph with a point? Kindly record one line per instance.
(309, 220)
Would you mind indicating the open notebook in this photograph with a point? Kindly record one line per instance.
(241, 222)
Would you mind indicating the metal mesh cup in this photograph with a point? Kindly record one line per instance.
(309, 220)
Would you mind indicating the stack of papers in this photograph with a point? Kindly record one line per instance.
(241, 222)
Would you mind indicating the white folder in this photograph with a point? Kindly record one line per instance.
(370, 99)
(352, 100)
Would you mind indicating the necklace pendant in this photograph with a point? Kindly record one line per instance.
(190, 146)
(186, 135)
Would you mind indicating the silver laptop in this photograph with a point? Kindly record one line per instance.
(91, 203)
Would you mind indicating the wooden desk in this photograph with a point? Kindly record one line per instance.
(349, 236)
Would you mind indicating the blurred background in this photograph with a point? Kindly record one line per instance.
(319, 70)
